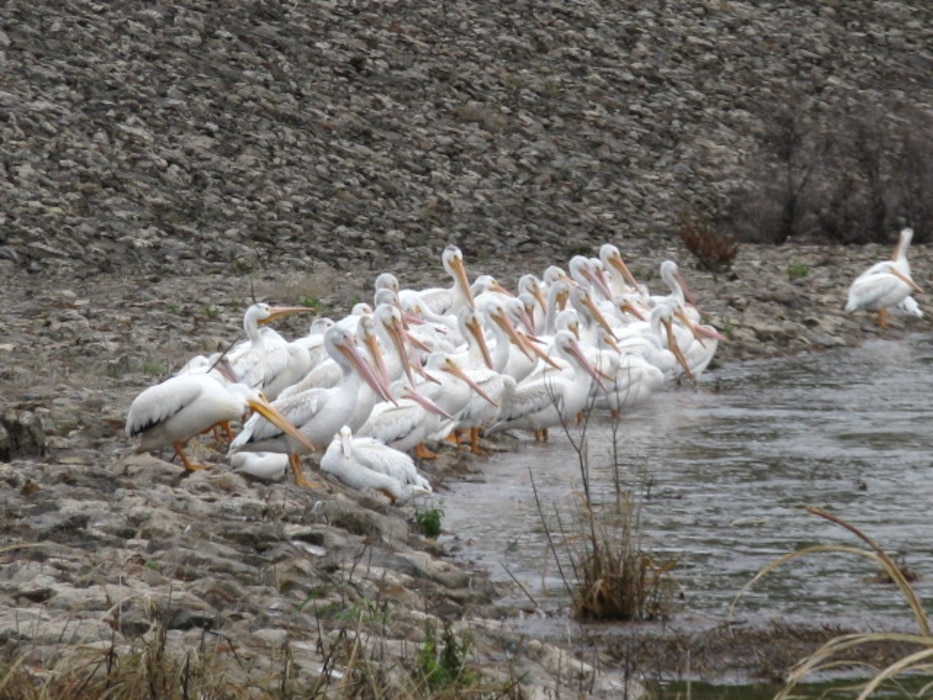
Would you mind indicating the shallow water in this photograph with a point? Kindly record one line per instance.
(726, 471)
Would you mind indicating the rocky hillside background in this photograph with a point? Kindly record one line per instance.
(165, 162)
(195, 136)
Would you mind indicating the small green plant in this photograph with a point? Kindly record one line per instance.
(728, 329)
(444, 667)
(309, 302)
(211, 311)
(797, 271)
(428, 521)
(152, 367)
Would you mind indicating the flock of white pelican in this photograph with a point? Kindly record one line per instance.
(886, 287)
(417, 367)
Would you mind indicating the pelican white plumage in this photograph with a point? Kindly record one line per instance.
(365, 463)
(313, 340)
(444, 300)
(181, 407)
(632, 379)
(406, 422)
(550, 396)
(879, 289)
(529, 284)
(266, 360)
(587, 276)
(655, 341)
(620, 279)
(267, 466)
(899, 256)
(317, 413)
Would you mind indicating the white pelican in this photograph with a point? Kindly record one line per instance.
(317, 413)
(267, 466)
(454, 389)
(487, 290)
(620, 279)
(880, 289)
(444, 300)
(632, 380)
(550, 396)
(406, 423)
(366, 463)
(655, 341)
(587, 276)
(266, 360)
(530, 284)
(909, 306)
(313, 340)
(181, 407)
(516, 354)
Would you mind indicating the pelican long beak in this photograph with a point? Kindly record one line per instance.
(688, 295)
(598, 280)
(496, 287)
(626, 306)
(538, 352)
(416, 341)
(900, 275)
(611, 342)
(476, 330)
(397, 335)
(619, 264)
(574, 349)
(456, 370)
(268, 411)
(365, 370)
(424, 401)
(526, 317)
(674, 348)
(560, 299)
(460, 275)
(528, 345)
(424, 374)
(710, 332)
(505, 323)
(587, 301)
(279, 311)
(539, 297)
(372, 344)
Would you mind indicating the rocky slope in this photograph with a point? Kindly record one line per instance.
(163, 163)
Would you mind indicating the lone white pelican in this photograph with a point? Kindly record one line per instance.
(181, 407)
(366, 463)
(879, 289)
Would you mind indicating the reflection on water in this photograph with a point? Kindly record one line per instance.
(728, 469)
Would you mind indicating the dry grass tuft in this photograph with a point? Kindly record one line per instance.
(840, 651)
(602, 554)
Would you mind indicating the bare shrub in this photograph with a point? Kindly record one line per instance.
(839, 176)
(601, 552)
(715, 251)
